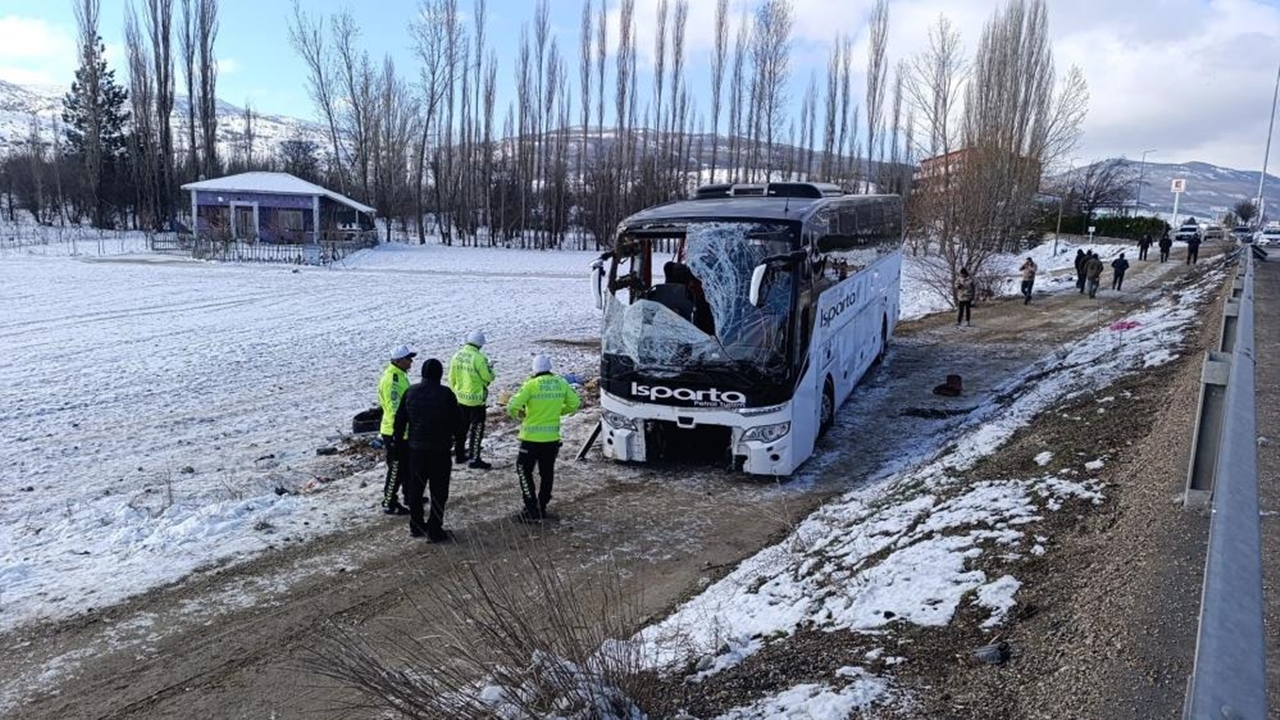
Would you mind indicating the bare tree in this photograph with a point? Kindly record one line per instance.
(717, 78)
(1101, 185)
(306, 35)
(143, 143)
(877, 78)
(432, 45)
(187, 47)
(737, 97)
(1245, 211)
(206, 34)
(159, 18)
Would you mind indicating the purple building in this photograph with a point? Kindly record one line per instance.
(275, 207)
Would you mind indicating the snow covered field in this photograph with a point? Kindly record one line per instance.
(153, 404)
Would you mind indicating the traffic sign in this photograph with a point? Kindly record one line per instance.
(1179, 185)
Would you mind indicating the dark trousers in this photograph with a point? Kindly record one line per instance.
(427, 470)
(1164, 254)
(1026, 290)
(391, 485)
(543, 455)
(1080, 280)
(470, 436)
(1117, 281)
(1193, 254)
(963, 310)
(1142, 252)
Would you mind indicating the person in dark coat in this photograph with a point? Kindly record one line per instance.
(429, 412)
(1165, 245)
(1118, 268)
(966, 290)
(1144, 244)
(1081, 259)
(1193, 250)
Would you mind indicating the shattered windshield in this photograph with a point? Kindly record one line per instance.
(697, 308)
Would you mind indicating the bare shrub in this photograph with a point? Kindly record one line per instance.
(511, 638)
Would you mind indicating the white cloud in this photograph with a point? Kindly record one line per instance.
(228, 66)
(35, 52)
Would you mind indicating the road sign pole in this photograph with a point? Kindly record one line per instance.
(1176, 195)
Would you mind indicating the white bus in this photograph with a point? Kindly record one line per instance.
(737, 322)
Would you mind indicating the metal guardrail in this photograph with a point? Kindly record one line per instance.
(1229, 679)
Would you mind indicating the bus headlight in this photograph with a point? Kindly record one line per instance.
(618, 421)
(767, 433)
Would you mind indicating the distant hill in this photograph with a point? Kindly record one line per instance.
(19, 104)
(1211, 190)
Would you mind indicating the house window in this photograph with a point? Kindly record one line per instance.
(292, 220)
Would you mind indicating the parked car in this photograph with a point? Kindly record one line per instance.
(1270, 236)
(1242, 233)
(1187, 232)
(1213, 232)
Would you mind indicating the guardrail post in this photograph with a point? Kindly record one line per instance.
(1208, 431)
(1230, 317)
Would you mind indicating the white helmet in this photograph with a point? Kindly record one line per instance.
(476, 338)
(541, 364)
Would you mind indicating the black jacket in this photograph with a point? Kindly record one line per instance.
(1120, 265)
(430, 411)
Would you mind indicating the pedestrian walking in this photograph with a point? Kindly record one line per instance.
(1118, 268)
(470, 375)
(1144, 244)
(391, 389)
(1193, 250)
(1093, 274)
(426, 426)
(1165, 245)
(966, 290)
(538, 405)
(1028, 279)
(1081, 260)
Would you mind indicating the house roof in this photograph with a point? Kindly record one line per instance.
(273, 183)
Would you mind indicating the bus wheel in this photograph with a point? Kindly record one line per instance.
(827, 411)
(884, 339)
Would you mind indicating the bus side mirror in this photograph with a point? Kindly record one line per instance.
(597, 280)
(757, 280)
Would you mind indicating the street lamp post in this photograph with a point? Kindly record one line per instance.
(1142, 174)
(1262, 179)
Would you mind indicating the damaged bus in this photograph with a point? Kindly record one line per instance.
(737, 322)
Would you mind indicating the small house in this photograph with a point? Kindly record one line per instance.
(274, 207)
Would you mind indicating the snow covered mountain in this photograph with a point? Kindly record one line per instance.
(1211, 190)
(20, 105)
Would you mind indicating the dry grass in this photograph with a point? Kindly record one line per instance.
(506, 639)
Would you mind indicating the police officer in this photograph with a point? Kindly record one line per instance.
(542, 400)
(470, 375)
(391, 389)
(428, 421)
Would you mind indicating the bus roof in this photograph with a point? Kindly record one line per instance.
(791, 209)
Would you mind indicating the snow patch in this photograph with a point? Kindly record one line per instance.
(997, 596)
(1044, 458)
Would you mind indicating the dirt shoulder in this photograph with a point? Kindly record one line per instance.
(228, 642)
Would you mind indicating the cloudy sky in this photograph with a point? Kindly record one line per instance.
(1190, 79)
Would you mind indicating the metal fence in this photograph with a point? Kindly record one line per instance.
(322, 253)
(1229, 678)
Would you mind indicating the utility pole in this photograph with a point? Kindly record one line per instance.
(1062, 200)
(1142, 174)
(1262, 179)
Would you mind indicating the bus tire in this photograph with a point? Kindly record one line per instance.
(827, 410)
(884, 339)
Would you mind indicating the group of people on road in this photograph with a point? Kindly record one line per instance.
(428, 427)
(1089, 270)
(1165, 244)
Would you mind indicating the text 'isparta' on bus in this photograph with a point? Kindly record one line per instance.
(737, 322)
